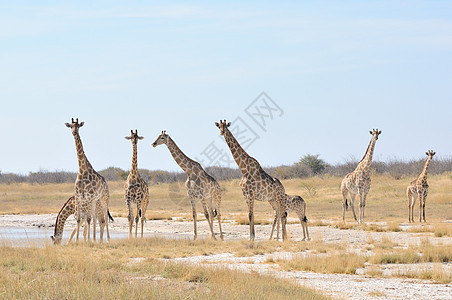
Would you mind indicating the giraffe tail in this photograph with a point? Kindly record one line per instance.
(346, 204)
(109, 216)
(215, 212)
(305, 219)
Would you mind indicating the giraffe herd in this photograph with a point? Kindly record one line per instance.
(90, 200)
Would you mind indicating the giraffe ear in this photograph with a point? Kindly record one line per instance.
(229, 124)
(81, 124)
(127, 137)
(379, 132)
(216, 124)
(68, 125)
(370, 131)
(433, 153)
(426, 153)
(141, 137)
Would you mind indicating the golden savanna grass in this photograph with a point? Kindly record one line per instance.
(102, 271)
(386, 200)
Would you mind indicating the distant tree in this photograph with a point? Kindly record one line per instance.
(316, 164)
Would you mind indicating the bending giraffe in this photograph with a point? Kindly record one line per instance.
(256, 184)
(136, 189)
(70, 208)
(199, 184)
(418, 188)
(297, 204)
(358, 182)
(90, 186)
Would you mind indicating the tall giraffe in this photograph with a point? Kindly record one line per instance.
(358, 182)
(418, 188)
(199, 184)
(297, 204)
(90, 186)
(136, 189)
(256, 184)
(70, 208)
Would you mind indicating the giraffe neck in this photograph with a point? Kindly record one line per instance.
(364, 164)
(239, 154)
(67, 210)
(423, 175)
(181, 159)
(83, 163)
(134, 168)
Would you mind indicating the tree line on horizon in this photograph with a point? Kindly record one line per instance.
(309, 165)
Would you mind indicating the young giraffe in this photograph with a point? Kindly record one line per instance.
(418, 188)
(90, 186)
(297, 204)
(136, 189)
(70, 208)
(199, 184)
(358, 181)
(256, 184)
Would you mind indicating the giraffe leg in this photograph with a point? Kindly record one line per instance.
(217, 203)
(193, 206)
(250, 202)
(420, 208)
(352, 205)
(360, 207)
(106, 224)
(72, 235)
(344, 203)
(130, 217)
(144, 205)
(94, 225)
(88, 225)
(273, 226)
(137, 218)
(423, 204)
(208, 217)
(283, 225)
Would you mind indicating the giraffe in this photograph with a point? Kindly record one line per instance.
(199, 184)
(418, 188)
(358, 181)
(70, 208)
(297, 204)
(90, 186)
(256, 184)
(136, 189)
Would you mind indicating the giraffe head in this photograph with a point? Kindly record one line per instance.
(223, 126)
(134, 137)
(430, 153)
(375, 133)
(56, 239)
(74, 126)
(161, 139)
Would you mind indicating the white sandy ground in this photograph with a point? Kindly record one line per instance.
(343, 286)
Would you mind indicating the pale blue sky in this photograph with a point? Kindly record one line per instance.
(337, 69)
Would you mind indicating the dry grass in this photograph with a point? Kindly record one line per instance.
(437, 275)
(102, 271)
(386, 200)
(335, 263)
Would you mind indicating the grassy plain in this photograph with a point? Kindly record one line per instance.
(131, 270)
(386, 200)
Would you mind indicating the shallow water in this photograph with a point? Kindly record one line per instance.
(40, 237)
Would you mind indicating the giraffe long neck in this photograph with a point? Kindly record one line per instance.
(365, 163)
(67, 210)
(134, 168)
(423, 175)
(239, 154)
(83, 163)
(181, 159)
